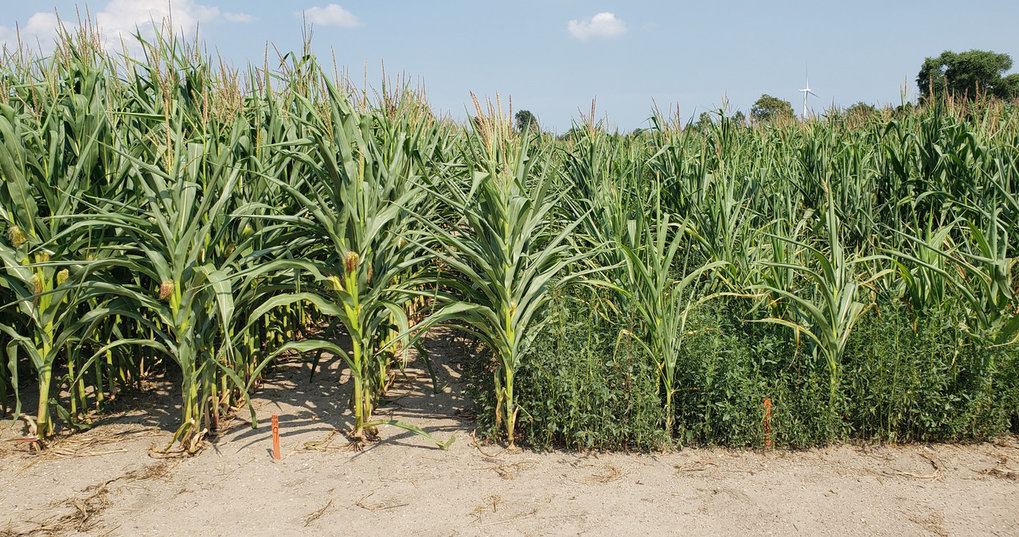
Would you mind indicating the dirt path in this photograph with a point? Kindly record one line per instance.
(103, 482)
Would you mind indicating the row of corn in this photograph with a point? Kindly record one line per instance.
(160, 214)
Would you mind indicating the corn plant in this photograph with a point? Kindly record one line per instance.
(830, 305)
(662, 300)
(176, 236)
(507, 251)
(605, 196)
(40, 262)
(978, 272)
(362, 182)
(922, 267)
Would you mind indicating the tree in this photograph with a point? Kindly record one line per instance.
(704, 122)
(769, 108)
(526, 121)
(861, 110)
(967, 74)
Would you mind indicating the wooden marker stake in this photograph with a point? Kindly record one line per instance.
(767, 422)
(275, 437)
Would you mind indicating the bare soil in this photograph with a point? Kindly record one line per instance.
(107, 481)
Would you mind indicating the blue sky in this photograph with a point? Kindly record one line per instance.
(552, 57)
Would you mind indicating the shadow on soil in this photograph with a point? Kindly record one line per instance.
(311, 404)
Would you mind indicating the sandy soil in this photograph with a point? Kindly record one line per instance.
(107, 482)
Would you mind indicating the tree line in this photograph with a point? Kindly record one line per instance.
(969, 75)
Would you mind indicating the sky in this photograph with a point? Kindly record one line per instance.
(553, 57)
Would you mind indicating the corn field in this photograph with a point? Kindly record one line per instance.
(171, 215)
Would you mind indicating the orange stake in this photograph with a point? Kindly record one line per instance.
(767, 422)
(275, 437)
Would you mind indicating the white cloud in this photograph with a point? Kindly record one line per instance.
(120, 19)
(603, 24)
(238, 17)
(331, 15)
(43, 25)
(40, 30)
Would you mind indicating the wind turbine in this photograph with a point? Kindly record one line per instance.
(806, 91)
